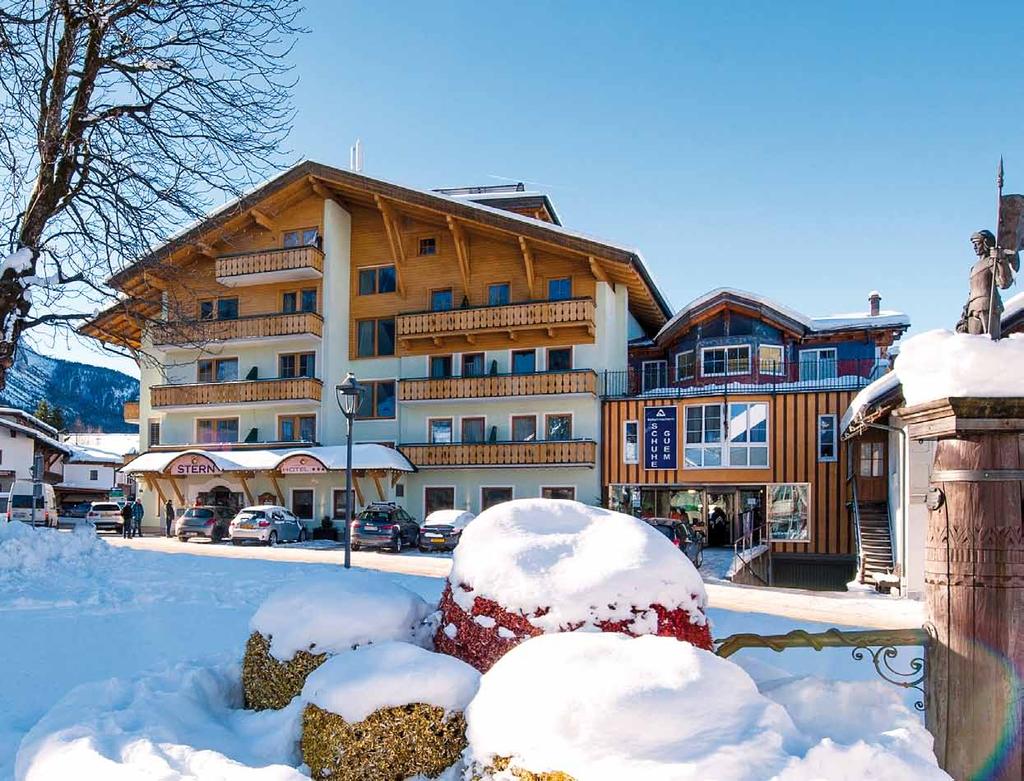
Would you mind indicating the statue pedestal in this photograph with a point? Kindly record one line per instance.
(974, 583)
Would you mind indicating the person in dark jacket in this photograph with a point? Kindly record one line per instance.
(127, 521)
(137, 513)
(168, 516)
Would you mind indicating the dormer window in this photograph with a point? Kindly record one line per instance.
(428, 246)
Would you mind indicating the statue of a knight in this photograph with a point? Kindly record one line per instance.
(984, 308)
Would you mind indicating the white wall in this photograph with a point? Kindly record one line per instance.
(16, 453)
(79, 475)
(909, 476)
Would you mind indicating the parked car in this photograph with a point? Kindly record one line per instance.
(105, 516)
(76, 509)
(682, 535)
(384, 525)
(268, 524)
(22, 498)
(442, 529)
(209, 522)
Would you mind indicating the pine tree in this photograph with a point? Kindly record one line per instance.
(50, 415)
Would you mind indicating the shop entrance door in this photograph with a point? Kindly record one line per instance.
(721, 515)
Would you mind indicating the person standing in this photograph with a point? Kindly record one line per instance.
(127, 520)
(137, 513)
(168, 516)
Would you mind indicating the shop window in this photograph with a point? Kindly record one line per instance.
(558, 492)
(559, 359)
(218, 370)
(498, 294)
(302, 503)
(303, 237)
(524, 428)
(339, 505)
(631, 442)
(827, 445)
(788, 512)
(438, 498)
(490, 496)
(378, 400)
(473, 429)
(558, 427)
(440, 430)
(212, 430)
(473, 365)
(748, 435)
(375, 338)
(524, 361)
(296, 365)
(703, 436)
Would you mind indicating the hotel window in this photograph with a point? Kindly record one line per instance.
(440, 431)
(304, 237)
(559, 359)
(654, 374)
(703, 436)
(441, 300)
(296, 365)
(440, 366)
(378, 401)
(631, 442)
(94, 474)
(789, 512)
(218, 370)
(490, 496)
(827, 447)
(872, 459)
(820, 364)
(748, 435)
(428, 246)
(375, 337)
(524, 361)
(299, 301)
(302, 503)
(473, 429)
(380, 279)
(218, 309)
(498, 295)
(558, 492)
(473, 365)
(716, 361)
(212, 430)
(154, 432)
(339, 503)
(438, 498)
(558, 427)
(524, 428)
(560, 289)
(686, 365)
(296, 428)
(769, 359)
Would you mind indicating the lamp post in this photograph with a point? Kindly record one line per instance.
(349, 394)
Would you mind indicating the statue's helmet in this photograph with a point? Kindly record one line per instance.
(985, 236)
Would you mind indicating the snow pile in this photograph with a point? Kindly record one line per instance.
(338, 613)
(387, 675)
(457, 519)
(939, 364)
(38, 552)
(599, 707)
(532, 566)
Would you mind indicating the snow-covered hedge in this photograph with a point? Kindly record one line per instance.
(532, 566)
(27, 551)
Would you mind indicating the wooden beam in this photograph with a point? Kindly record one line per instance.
(394, 235)
(204, 249)
(528, 265)
(264, 221)
(395, 477)
(155, 483)
(359, 491)
(598, 270)
(461, 250)
(245, 487)
(380, 487)
(277, 489)
(177, 491)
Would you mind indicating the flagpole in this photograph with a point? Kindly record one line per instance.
(995, 330)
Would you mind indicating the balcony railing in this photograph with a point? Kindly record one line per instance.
(188, 333)
(656, 380)
(236, 392)
(499, 385)
(272, 265)
(130, 411)
(572, 452)
(533, 315)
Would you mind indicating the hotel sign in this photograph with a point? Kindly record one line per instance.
(301, 465)
(192, 464)
(660, 442)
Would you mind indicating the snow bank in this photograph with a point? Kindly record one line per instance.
(938, 364)
(336, 613)
(42, 552)
(386, 675)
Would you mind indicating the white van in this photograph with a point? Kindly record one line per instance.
(19, 507)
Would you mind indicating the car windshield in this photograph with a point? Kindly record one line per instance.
(198, 513)
(666, 530)
(250, 515)
(105, 507)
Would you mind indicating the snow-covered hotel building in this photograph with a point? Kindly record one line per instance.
(481, 327)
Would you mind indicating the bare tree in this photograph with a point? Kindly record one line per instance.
(119, 121)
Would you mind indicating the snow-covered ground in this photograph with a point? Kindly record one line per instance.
(75, 610)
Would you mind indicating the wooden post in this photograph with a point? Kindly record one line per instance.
(974, 584)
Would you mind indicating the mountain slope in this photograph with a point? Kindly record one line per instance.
(90, 397)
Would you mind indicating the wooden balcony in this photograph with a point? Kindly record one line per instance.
(569, 321)
(499, 386)
(130, 412)
(574, 452)
(238, 392)
(272, 265)
(196, 333)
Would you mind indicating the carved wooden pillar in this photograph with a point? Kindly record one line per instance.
(974, 584)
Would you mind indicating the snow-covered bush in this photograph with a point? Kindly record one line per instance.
(297, 628)
(533, 566)
(388, 710)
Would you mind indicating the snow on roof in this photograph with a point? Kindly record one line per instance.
(337, 613)
(390, 675)
(366, 456)
(35, 434)
(1013, 306)
(81, 454)
(867, 397)
(885, 318)
(32, 419)
(587, 565)
(121, 444)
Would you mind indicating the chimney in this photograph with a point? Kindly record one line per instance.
(875, 300)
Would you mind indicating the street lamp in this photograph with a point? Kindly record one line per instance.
(349, 394)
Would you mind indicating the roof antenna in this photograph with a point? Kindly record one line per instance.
(355, 157)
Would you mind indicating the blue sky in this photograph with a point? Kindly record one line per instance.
(807, 151)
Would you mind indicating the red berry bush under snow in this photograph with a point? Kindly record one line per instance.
(534, 566)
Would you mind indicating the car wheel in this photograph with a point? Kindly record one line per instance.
(272, 539)
(415, 540)
(183, 539)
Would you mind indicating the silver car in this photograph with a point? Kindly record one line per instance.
(268, 524)
(105, 516)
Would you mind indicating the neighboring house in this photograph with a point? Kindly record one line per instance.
(124, 446)
(479, 325)
(22, 436)
(751, 393)
(90, 474)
